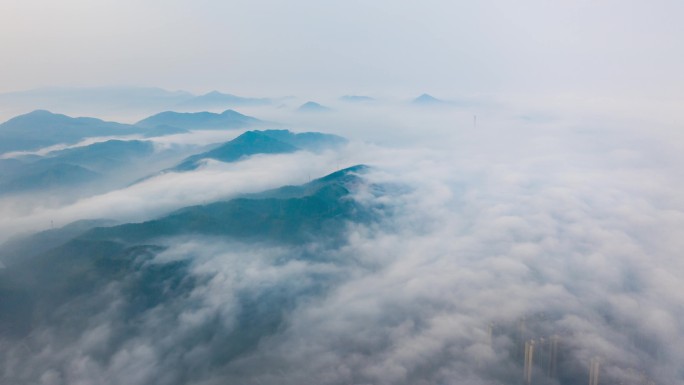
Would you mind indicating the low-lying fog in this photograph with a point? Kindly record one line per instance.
(511, 224)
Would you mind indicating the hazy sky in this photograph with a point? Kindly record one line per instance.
(381, 47)
(530, 211)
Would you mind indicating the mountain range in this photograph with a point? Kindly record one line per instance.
(215, 99)
(61, 268)
(71, 167)
(287, 214)
(42, 128)
(109, 101)
(78, 166)
(262, 142)
(276, 215)
(228, 119)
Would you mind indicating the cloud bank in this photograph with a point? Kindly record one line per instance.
(490, 237)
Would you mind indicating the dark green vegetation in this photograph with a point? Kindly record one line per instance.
(316, 211)
(48, 273)
(111, 283)
(312, 141)
(249, 143)
(90, 164)
(263, 142)
(27, 247)
(105, 281)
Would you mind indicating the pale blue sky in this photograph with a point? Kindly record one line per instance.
(450, 48)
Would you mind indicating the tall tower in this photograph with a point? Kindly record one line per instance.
(529, 361)
(542, 352)
(594, 371)
(522, 338)
(553, 356)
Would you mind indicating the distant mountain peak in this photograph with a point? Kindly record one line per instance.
(311, 106)
(40, 113)
(249, 143)
(46, 115)
(263, 142)
(230, 112)
(356, 169)
(427, 99)
(42, 128)
(217, 99)
(218, 95)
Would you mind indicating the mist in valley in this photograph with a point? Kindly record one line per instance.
(462, 194)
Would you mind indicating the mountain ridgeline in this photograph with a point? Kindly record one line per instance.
(316, 212)
(122, 161)
(43, 128)
(216, 99)
(263, 142)
(228, 119)
(60, 268)
(313, 212)
(58, 282)
(110, 100)
(71, 167)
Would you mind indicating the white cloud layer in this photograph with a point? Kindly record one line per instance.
(572, 227)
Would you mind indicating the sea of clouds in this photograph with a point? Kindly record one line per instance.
(511, 227)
